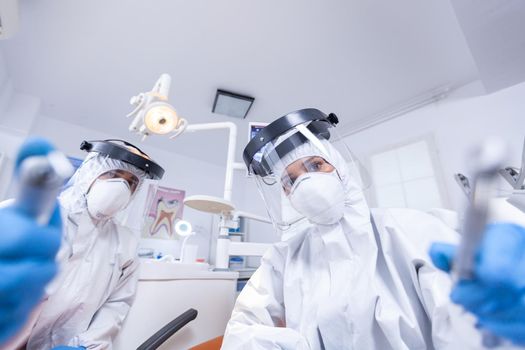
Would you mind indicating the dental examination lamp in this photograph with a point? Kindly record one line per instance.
(153, 114)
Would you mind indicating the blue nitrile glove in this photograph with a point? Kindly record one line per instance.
(496, 295)
(27, 256)
(69, 348)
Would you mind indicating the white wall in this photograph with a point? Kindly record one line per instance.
(16, 119)
(456, 124)
(9, 145)
(6, 85)
(17, 114)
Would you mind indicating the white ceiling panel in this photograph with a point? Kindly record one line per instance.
(85, 59)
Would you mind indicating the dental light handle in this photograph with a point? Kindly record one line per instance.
(486, 163)
(162, 86)
(181, 127)
(40, 179)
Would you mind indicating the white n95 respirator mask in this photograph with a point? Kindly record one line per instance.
(107, 197)
(319, 196)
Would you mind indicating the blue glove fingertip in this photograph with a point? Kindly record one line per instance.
(501, 256)
(33, 146)
(442, 255)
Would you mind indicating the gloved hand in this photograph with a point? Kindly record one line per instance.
(27, 257)
(496, 295)
(69, 348)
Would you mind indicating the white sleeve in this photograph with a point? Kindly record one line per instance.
(109, 318)
(451, 328)
(258, 318)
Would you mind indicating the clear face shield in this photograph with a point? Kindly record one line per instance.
(304, 169)
(109, 178)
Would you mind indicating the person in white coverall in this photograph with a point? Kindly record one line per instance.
(353, 279)
(95, 287)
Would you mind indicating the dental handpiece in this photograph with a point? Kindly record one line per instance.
(40, 179)
(486, 163)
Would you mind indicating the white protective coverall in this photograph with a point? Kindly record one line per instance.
(94, 290)
(349, 286)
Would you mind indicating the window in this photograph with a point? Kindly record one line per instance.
(406, 177)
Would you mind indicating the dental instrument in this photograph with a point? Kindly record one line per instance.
(486, 163)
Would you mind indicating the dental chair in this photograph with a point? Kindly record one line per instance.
(166, 332)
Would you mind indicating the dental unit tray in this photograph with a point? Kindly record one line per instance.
(209, 204)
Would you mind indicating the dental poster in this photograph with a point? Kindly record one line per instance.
(165, 209)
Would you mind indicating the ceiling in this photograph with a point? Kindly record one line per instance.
(494, 32)
(85, 59)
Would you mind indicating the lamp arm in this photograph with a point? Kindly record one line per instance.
(244, 214)
(140, 104)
